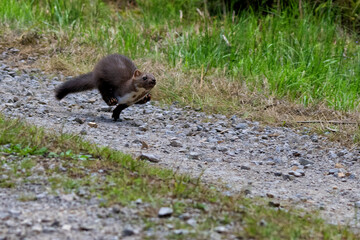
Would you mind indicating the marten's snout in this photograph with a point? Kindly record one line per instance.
(153, 81)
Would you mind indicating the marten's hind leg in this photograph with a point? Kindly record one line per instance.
(107, 93)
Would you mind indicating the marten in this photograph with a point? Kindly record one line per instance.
(118, 81)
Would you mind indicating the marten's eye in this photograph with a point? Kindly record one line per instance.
(144, 78)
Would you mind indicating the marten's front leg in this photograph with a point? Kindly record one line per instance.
(144, 99)
(117, 111)
(107, 94)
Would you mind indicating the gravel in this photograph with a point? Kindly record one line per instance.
(228, 151)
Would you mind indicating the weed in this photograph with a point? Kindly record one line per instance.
(27, 197)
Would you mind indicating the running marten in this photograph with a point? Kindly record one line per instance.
(117, 79)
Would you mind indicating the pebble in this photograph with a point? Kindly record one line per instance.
(175, 143)
(165, 212)
(105, 109)
(80, 120)
(245, 167)
(305, 162)
(181, 231)
(221, 229)
(127, 232)
(37, 228)
(150, 157)
(92, 124)
(194, 155)
(191, 222)
(66, 227)
(241, 126)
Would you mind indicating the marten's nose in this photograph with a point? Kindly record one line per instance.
(153, 81)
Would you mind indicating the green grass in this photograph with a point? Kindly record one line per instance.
(308, 60)
(116, 178)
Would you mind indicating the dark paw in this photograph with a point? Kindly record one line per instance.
(111, 101)
(146, 99)
(115, 116)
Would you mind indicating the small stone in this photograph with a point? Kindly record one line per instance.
(270, 195)
(357, 204)
(220, 229)
(181, 231)
(241, 126)
(105, 109)
(194, 155)
(333, 171)
(79, 120)
(116, 209)
(127, 232)
(245, 167)
(305, 162)
(185, 216)
(82, 192)
(39, 169)
(296, 154)
(66, 227)
(68, 197)
(222, 149)
(92, 124)
(84, 227)
(341, 175)
(11, 223)
(37, 228)
(314, 138)
(288, 177)
(175, 143)
(339, 165)
(274, 204)
(273, 161)
(262, 223)
(295, 173)
(55, 223)
(4, 216)
(150, 157)
(27, 222)
(143, 128)
(92, 100)
(49, 230)
(301, 172)
(15, 212)
(165, 212)
(191, 222)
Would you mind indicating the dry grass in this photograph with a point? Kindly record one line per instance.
(211, 92)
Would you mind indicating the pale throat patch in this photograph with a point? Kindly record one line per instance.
(132, 97)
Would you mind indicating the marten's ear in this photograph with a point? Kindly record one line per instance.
(137, 73)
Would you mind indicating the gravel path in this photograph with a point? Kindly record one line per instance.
(74, 218)
(291, 167)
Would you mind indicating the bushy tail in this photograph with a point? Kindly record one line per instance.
(77, 84)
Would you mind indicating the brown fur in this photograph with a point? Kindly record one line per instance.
(117, 79)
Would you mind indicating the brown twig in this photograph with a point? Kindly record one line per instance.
(331, 122)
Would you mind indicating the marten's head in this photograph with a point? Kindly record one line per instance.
(144, 80)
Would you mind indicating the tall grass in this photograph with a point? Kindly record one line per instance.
(308, 59)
